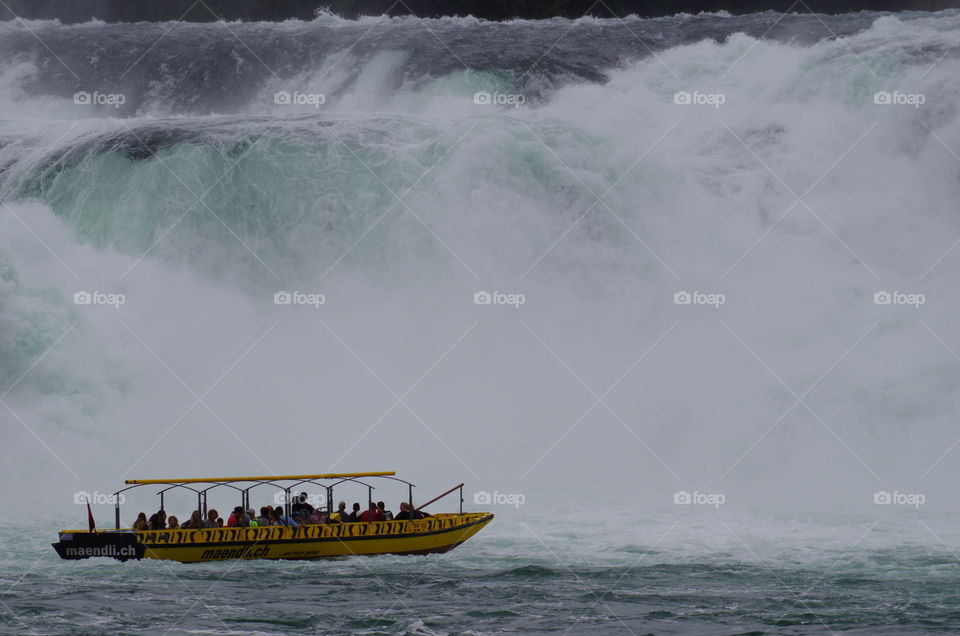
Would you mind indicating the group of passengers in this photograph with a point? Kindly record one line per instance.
(376, 512)
(160, 521)
(301, 513)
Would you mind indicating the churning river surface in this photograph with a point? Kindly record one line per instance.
(658, 573)
(604, 260)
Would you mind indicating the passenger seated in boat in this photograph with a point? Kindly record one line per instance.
(281, 518)
(246, 518)
(141, 522)
(239, 518)
(387, 515)
(234, 517)
(158, 520)
(405, 512)
(264, 518)
(195, 522)
(254, 522)
(301, 507)
(372, 514)
(340, 515)
(213, 519)
(355, 515)
(172, 523)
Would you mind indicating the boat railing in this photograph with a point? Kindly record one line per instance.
(444, 494)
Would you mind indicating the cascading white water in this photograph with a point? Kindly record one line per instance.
(695, 198)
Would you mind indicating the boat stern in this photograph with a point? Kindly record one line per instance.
(81, 544)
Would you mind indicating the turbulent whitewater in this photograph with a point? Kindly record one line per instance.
(726, 251)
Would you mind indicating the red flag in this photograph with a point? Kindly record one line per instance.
(93, 525)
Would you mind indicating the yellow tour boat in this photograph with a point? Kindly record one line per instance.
(430, 534)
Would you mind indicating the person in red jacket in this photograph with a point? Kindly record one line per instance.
(234, 518)
(372, 514)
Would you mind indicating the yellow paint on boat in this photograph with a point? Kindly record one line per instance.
(433, 534)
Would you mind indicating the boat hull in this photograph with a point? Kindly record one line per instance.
(423, 536)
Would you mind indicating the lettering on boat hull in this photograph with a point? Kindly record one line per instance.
(423, 536)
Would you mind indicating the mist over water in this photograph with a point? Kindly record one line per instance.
(789, 206)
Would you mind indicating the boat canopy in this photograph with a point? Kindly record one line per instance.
(249, 483)
(265, 479)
